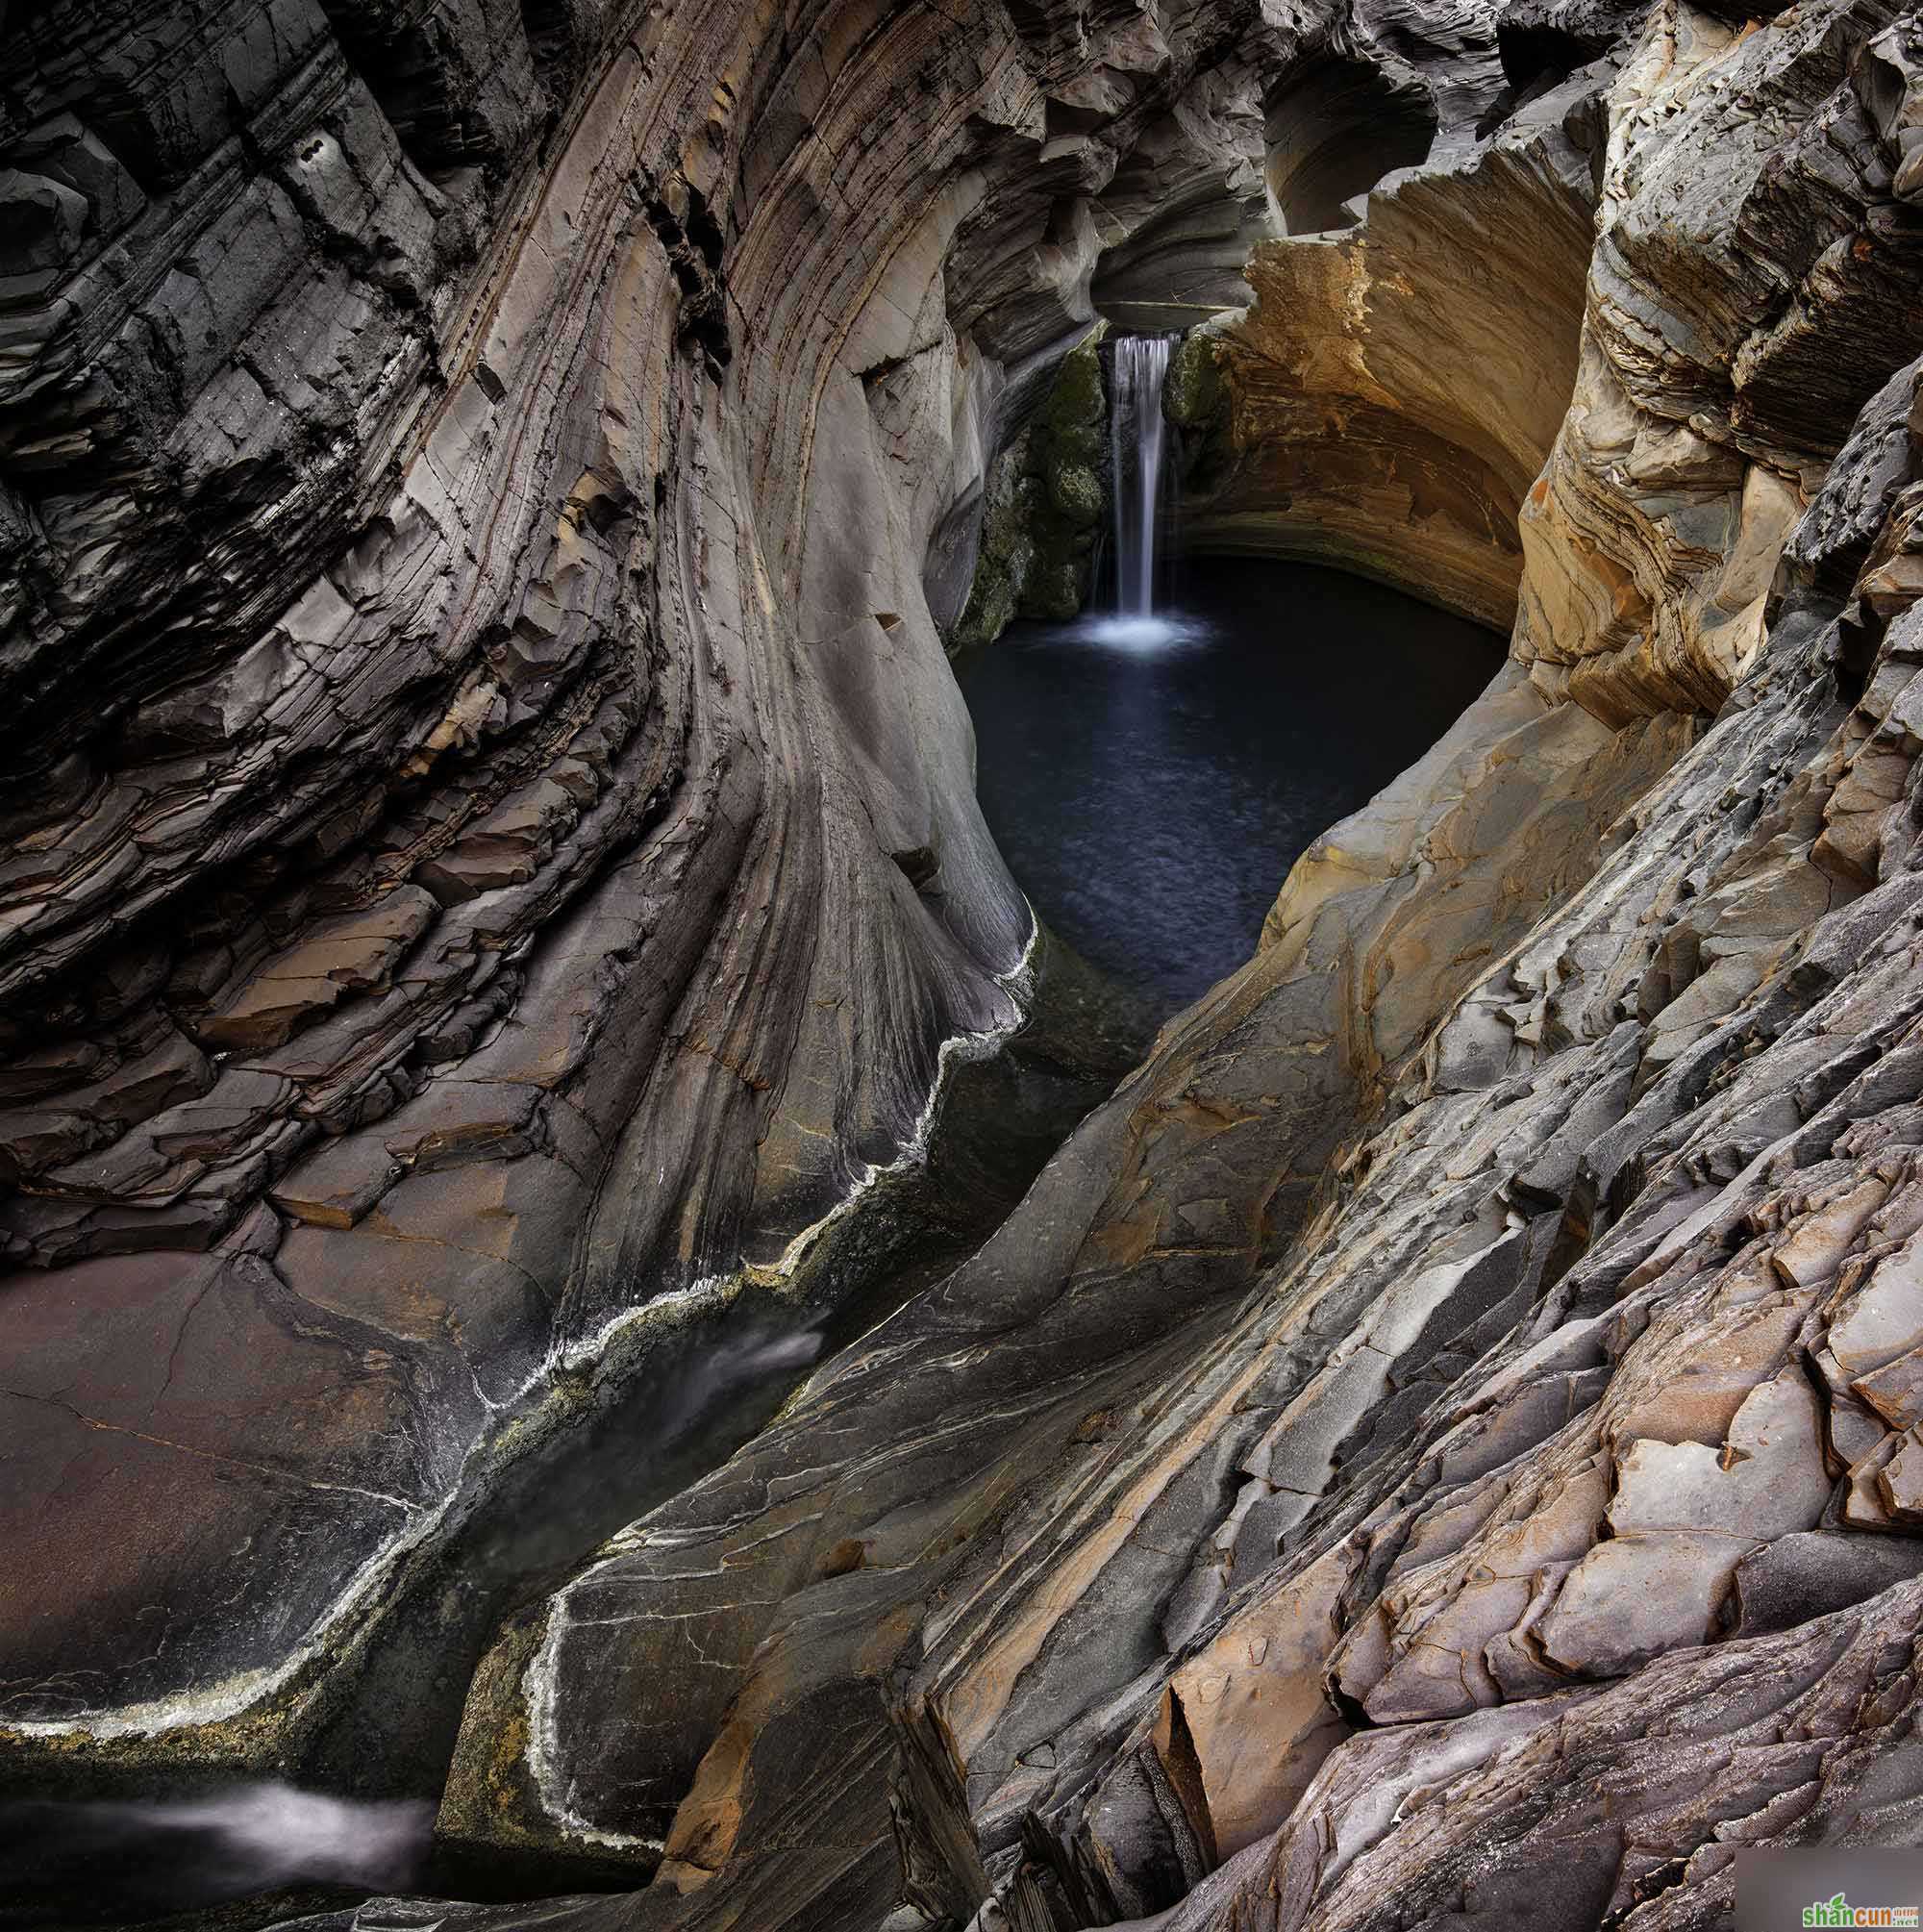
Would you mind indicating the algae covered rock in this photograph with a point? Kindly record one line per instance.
(1046, 497)
(1075, 491)
(1006, 551)
(1076, 412)
(1055, 589)
(1195, 399)
(1192, 394)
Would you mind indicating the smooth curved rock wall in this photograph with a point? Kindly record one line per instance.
(491, 836)
(1390, 397)
(1336, 124)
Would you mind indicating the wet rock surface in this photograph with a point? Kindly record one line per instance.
(493, 852)
(1045, 498)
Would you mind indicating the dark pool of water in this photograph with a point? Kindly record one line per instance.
(1151, 796)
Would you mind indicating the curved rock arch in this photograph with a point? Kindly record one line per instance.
(1335, 125)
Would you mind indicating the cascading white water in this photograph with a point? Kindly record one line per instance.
(1137, 431)
(146, 1857)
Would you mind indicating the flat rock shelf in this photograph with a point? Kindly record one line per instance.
(1152, 797)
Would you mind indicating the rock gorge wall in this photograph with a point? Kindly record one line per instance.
(490, 847)
(1045, 496)
(1450, 1417)
(1437, 1441)
(1392, 395)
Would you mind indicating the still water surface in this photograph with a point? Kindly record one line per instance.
(1151, 784)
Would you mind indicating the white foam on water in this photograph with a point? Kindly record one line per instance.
(540, 1683)
(1141, 634)
(258, 1836)
(219, 1702)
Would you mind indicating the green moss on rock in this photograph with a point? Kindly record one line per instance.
(1076, 414)
(1065, 452)
(1056, 587)
(1046, 497)
(1006, 551)
(1075, 491)
(1192, 394)
(1195, 398)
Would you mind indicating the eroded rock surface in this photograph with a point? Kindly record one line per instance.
(1445, 1440)
(1460, 1313)
(490, 850)
(1390, 398)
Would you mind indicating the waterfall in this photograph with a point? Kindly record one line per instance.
(1137, 432)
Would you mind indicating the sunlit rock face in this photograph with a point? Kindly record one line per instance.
(1710, 402)
(1390, 396)
(494, 849)
(490, 834)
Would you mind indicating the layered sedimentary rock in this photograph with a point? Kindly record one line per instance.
(1179, 218)
(1707, 407)
(1488, 1319)
(1336, 124)
(1451, 1417)
(1390, 398)
(490, 847)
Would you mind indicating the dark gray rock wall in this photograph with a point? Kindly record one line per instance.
(489, 846)
(493, 865)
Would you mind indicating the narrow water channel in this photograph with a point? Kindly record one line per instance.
(350, 1809)
(1150, 796)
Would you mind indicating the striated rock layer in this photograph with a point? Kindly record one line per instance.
(1392, 395)
(1487, 1320)
(490, 859)
(1444, 1438)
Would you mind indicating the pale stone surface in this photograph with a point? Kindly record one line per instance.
(1635, 1596)
(1768, 1481)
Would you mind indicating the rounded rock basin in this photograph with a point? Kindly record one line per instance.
(1150, 782)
